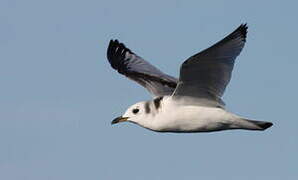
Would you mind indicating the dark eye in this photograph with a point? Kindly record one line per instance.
(135, 111)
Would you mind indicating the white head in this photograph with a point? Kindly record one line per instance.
(138, 113)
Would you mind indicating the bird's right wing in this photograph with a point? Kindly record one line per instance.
(135, 68)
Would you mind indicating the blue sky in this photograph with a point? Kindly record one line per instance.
(59, 94)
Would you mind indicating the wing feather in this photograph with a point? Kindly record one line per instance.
(137, 69)
(206, 74)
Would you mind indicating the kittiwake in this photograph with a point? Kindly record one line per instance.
(191, 103)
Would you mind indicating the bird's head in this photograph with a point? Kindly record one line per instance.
(136, 113)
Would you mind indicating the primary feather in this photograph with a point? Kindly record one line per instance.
(136, 68)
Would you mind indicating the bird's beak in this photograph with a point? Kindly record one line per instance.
(119, 119)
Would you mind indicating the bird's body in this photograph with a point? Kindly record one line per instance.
(165, 114)
(191, 103)
(171, 116)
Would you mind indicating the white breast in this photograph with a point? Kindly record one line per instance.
(175, 117)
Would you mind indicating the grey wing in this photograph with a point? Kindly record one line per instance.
(206, 74)
(135, 68)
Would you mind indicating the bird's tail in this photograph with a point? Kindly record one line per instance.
(256, 125)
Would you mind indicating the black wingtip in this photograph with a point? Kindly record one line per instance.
(116, 53)
(116, 43)
(266, 125)
(243, 30)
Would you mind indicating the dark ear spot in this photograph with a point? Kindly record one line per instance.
(147, 107)
(135, 111)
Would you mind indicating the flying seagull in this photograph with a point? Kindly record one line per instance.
(191, 103)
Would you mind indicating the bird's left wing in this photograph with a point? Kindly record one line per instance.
(205, 75)
(135, 68)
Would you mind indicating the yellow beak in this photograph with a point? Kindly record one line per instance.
(119, 119)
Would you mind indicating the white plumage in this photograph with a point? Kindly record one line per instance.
(193, 103)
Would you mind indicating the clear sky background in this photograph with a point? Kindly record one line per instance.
(58, 93)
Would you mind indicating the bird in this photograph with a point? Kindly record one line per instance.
(191, 104)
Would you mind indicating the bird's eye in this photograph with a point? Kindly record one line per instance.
(135, 111)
